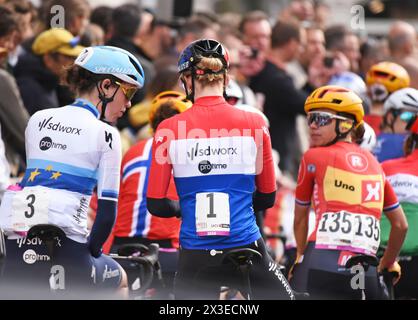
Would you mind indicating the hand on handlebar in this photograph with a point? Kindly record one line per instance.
(394, 269)
(299, 259)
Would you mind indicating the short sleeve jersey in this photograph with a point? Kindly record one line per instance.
(219, 155)
(343, 177)
(69, 152)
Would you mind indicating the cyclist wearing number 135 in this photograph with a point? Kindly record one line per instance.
(349, 191)
(70, 151)
(223, 171)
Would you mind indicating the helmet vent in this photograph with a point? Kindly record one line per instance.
(336, 101)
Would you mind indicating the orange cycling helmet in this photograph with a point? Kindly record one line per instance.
(177, 99)
(338, 99)
(384, 78)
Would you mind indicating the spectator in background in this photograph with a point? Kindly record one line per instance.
(13, 115)
(283, 102)
(299, 12)
(102, 16)
(195, 28)
(315, 46)
(126, 21)
(402, 39)
(38, 72)
(322, 12)
(338, 38)
(25, 14)
(255, 29)
(157, 40)
(372, 52)
(93, 36)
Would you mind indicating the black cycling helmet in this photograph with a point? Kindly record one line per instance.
(192, 55)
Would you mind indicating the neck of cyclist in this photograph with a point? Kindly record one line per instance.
(211, 89)
(93, 98)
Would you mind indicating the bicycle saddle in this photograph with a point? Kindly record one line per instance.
(242, 256)
(46, 232)
(131, 248)
(362, 259)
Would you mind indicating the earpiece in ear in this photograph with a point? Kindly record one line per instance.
(345, 126)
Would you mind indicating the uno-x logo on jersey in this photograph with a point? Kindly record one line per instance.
(48, 125)
(196, 152)
(353, 189)
(371, 191)
(46, 143)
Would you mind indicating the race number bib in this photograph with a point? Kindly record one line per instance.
(348, 231)
(212, 214)
(29, 207)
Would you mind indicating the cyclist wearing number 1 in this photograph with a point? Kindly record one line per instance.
(348, 190)
(223, 170)
(70, 151)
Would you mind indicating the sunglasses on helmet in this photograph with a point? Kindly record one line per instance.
(129, 92)
(322, 119)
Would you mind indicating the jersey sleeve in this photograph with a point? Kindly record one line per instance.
(390, 201)
(306, 180)
(161, 166)
(110, 162)
(265, 173)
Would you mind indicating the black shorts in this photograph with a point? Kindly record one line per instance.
(200, 275)
(29, 270)
(323, 275)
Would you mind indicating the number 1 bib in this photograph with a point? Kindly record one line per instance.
(348, 231)
(212, 214)
(29, 207)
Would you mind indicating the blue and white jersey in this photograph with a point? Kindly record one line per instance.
(69, 151)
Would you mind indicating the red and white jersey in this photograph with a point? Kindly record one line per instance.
(133, 219)
(349, 191)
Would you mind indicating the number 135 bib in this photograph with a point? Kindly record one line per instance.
(348, 231)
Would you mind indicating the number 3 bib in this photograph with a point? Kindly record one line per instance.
(212, 214)
(348, 231)
(29, 207)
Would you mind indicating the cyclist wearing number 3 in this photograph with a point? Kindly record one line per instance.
(70, 152)
(223, 170)
(348, 190)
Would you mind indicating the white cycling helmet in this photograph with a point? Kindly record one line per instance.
(369, 138)
(350, 81)
(402, 99)
(233, 90)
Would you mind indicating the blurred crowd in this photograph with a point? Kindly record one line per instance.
(277, 60)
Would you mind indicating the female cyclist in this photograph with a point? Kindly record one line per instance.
(221, 160)
(70, 152)
(348, 190)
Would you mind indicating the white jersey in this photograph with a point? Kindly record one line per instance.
(69, 151)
